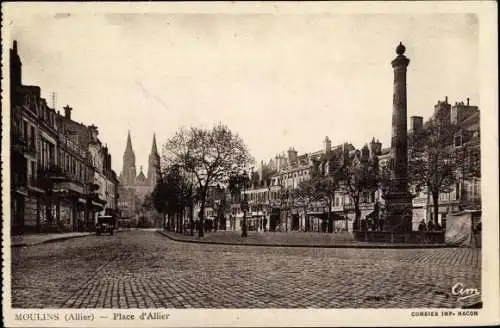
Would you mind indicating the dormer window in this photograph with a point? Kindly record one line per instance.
(27, 100)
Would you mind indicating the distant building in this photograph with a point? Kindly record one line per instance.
(135, 188)
(465, 148)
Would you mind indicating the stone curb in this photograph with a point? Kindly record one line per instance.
(47, 241)
(380, 246)
(56, 239)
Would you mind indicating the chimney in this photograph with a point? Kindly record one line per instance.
(417, 122)
(328, 145)
(446, 99)
(292, 155)
(261, 169)
(365, 152)
(15, 68)
(67, 112)
(468, 101)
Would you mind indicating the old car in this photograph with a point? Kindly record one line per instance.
(105, 224)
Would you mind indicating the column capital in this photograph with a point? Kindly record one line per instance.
(400, 61)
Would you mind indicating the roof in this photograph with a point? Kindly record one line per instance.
(472, 122)
(385, 151)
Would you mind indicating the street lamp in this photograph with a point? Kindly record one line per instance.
(244, 206)
(346, 220)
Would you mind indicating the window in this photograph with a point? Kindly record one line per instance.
(43, 155)
(32, 135)
(25, 130)
(32, 163)
(52, 154)
(458, 141)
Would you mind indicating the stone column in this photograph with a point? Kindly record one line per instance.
(398, 200)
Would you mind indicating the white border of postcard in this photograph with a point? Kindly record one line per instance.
(488, 315)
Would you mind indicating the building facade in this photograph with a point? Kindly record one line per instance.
(272, 199)
(52, 173)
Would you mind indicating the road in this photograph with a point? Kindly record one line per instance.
(143, 269)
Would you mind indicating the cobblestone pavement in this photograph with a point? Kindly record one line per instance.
(141, 269)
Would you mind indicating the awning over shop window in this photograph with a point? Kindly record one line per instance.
(365, 213)
(97, 204)
(333, 216)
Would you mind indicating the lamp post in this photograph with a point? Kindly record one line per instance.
(244, 206)
(346, 220)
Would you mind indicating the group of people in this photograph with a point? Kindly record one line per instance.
(430, 226)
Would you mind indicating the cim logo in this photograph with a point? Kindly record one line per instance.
(464, 293)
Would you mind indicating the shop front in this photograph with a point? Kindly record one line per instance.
(325, 222)
(274, 218)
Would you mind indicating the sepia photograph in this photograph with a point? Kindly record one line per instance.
(241, 157)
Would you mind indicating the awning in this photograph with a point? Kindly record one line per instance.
(97, 204)
(365, 213)
(372, 215)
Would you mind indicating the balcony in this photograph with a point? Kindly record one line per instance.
(19, 184)
(30, 148)
(419, 201)
(33, 181)
(19, 143)
(52, 172)
(69, 186)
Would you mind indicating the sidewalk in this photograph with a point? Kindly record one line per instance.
(288, 239)
(42, 238)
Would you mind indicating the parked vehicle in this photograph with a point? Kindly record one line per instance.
(105, 224)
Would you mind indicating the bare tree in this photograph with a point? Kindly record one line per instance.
(210, 155)
(432, 166)
(304, 195)
(359, 175)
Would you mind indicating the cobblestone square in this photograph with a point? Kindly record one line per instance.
(143, 269)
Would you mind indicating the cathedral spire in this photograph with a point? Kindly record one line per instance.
(128, 148)
(154, 149)
(154, 164)
(128, 171)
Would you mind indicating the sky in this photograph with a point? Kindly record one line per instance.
(279, 81)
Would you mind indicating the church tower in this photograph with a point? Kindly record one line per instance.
(154, 164)
(128, 172)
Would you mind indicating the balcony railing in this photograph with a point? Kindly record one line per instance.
(31, 148)
(19, 181)
(33, 181)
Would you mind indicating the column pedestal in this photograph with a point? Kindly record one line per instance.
(399, 211)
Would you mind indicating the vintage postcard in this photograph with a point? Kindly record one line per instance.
(251, 164)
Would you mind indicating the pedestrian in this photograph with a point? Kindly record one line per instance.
(265, 224)
(421, 226)
(430, 225)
